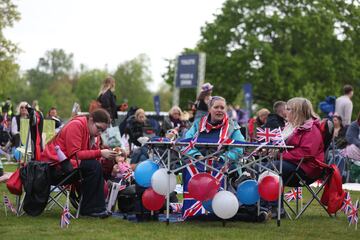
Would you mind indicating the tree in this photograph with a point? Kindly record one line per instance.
(284, 48)
(56, 63)
(8, 15)
(132, 79)
(8, 69)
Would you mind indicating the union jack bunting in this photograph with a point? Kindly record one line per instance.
(192, 207)
(65, 217)
(127, 175)
(353, 216)
(176, 207)
(347, 204)
(268, 135)
(8, 204)
(293, 193)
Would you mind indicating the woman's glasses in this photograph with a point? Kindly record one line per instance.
(100, 129)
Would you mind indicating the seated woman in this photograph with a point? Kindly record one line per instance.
(80, 138)
(255, 122)
(353, 138)
(302, 132)
(339, 132)
(174, 121)
(138, 126)
(216, 126)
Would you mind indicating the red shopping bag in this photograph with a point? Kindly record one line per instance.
(14, 183)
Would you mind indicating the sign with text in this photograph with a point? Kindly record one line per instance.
(187, 71)
(157, 104)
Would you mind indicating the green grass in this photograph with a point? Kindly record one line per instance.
(315, 224)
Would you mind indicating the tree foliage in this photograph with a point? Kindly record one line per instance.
(87, 86)
(8, 69)
(284, 48)
(56, 62)
(132, 80)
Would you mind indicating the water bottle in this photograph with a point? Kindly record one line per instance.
(64, 161)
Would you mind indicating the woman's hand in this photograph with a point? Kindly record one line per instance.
(108, 154)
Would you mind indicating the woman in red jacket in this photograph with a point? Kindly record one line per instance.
(80, 138)
(302, 132)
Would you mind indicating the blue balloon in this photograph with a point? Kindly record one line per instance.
(17, 155)
(144, 172)
(248, 192)
(208, 205)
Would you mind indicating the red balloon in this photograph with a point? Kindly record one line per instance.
(203, 186)
(269, 188)
(151, 200)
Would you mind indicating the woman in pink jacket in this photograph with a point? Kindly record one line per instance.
(79, 138)
(303, 133)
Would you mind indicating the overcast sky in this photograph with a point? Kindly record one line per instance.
(108, 32)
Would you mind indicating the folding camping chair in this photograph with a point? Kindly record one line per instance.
(323, 179)
(65, 187)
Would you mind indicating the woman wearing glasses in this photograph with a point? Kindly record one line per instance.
(80, 138)
(21, 113)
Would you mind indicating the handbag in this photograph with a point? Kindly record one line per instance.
(111, 137)
(14, 184)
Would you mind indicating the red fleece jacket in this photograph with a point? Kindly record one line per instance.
(307, 141)
(73, 139)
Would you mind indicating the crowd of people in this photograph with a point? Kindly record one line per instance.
(80, 138)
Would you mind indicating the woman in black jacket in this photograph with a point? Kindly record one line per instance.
(107, 97)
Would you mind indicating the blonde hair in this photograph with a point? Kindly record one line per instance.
(302, 110)
(175, 109)
(262, 112)
(138, 112)
(21, 104)
(108, 83)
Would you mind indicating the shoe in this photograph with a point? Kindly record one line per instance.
(103, 214)
(264, 216)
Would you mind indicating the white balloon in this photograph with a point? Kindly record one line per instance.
(267, 173)
(225, 204)
(160, 182)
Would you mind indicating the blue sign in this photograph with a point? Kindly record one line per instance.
(247, 88)
(187, 71)
(157, 104)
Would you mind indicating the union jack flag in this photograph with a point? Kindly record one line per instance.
(65, 217)
(268, 135)
(127, 175)
(293, 193)
(176, 207)
(347, 204)
(191, 206)
(8, 204)
(353, 216)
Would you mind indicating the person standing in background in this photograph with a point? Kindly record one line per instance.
(344, 105)
(202, 101)
(107, 97)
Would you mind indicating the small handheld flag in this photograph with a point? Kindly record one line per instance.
(8, 205)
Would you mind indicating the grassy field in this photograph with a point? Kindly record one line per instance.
(315, 224)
